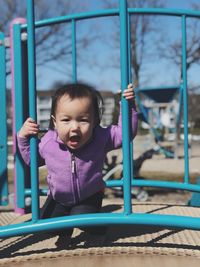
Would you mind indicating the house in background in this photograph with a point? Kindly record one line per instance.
(108, 108)
(44, 107)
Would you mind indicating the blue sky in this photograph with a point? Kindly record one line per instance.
(107, 78)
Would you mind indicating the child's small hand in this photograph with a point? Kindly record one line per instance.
(29, 127)
(129, 93)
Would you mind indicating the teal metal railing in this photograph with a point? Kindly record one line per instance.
(19, 112)
(3, 130)
(32, 109)
(127, 216)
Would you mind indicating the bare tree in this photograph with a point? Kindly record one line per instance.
(52, 42)
(172, 50)
(143, 29)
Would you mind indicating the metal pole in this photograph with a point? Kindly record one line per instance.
(185, 100)
(32, 108)
(130, 80)
(3, 131)
(124, 56)
(74, 65)
(18, 114)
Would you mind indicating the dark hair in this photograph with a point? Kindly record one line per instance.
(78, 90)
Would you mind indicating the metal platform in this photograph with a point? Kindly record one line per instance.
(120, 242)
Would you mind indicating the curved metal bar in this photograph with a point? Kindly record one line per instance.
(165, 11)
(115, 12)
(159, 184)
(139, 183)
(46, 225)
(76, 17)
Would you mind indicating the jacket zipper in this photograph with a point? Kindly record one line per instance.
(74, 177)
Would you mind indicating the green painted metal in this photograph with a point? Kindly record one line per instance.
(156, 184)
(165, 12)
(185, 101)
(127, 217)
(115, 12)
(32, 108)
(19, 113)
(195, 199)
(46, 225)
(77, 17)
(3, 130)
(126, 148)
(74, 65)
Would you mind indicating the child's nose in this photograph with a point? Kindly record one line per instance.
(74, 125)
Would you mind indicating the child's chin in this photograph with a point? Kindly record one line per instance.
(74, 145)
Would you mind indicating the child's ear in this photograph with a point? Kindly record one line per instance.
(54, 121)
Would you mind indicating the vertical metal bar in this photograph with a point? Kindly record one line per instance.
(125, 107)
(3, 131)
(18, 114)
(74, 65)
(32, 108)
(130, 77)
(178, 120)
(18, 168)
(185, 99)
(180, 101)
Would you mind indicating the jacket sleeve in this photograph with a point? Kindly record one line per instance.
(115, 131)
(24, 149)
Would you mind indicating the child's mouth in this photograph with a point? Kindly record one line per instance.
(75, 139)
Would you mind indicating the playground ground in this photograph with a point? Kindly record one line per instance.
(122, 245)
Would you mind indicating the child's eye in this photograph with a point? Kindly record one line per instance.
(65, 120)
(84, 120)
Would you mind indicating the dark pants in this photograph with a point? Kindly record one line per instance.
(93, 204)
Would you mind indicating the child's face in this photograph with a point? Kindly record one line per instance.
(74, 121)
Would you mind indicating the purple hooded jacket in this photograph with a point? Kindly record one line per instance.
(74, 176)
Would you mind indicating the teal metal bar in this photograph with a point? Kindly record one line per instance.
(185, 101)
(139, 183)
(130, 76)
(180, 101)
(46, 225)
(74, 66)
(78, 16)
(124, 60)
(156, 183)
(130, 80)
(165, 11)
(32, 108)
(115, 12)
(3, 130)
(19, 112)
(100, 219)
(42, 191)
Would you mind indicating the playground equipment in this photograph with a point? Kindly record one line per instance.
(3, 132)
(127, 216)
(162, 116)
